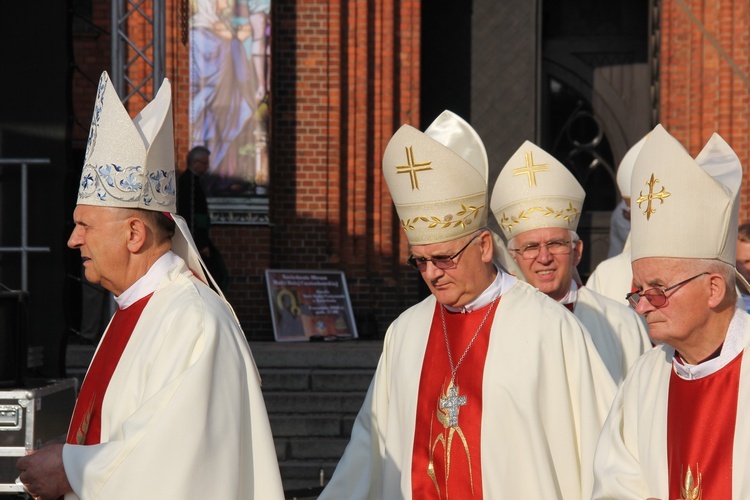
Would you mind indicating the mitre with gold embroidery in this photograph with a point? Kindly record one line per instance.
(534, 191)
(438, 180)
(683, 207)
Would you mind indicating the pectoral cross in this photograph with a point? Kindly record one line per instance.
(452, 402)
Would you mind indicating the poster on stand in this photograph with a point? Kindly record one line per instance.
(310, 305)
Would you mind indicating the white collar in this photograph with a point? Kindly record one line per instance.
(499, 287)
(148, 282)
(572, 295)
(734, 343)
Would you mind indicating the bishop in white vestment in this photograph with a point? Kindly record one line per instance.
(677, 427)
(487, 388)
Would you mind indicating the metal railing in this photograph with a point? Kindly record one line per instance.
(24, 249)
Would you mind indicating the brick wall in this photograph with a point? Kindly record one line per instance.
(705, 76)
(345, 75)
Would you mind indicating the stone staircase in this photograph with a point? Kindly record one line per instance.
(313, 391)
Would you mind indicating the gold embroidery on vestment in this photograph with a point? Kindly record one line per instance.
(463, 218)
(692, 486)
(569, 215)
(530, 170)
(651, 196)
(446, 438)
(412, 168)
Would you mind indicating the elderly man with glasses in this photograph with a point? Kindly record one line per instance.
(537, 203)
(677, 428)
(487, 388)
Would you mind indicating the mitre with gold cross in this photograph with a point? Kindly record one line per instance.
(438, 180)
(683, 207)
(534, 191)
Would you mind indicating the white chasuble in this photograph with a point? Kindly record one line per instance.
(183, 416)
(619, 334)
(636, 446)
(545, 394)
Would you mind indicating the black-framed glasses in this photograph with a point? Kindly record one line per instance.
(532, 250)
(441, 262)
(657, 297)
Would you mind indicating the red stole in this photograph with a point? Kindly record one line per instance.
(86, 423)
(446, 461)
(701, 418)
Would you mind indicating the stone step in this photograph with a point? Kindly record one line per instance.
(318, 379)
(349, 354)
(317, 425)
(314, 402)
(307, 472)
(310, 448)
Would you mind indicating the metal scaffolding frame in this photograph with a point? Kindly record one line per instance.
(153, 13)
(24, 249)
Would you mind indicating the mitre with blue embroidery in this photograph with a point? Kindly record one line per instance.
(130, 163)
(534, 191)
(438, 180)
(683, 207)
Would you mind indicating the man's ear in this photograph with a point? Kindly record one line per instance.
(137, 234)
(487, 246)
(717, 290)
(577, 252)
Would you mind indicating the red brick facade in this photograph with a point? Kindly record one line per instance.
(345, 75)
(705, 76)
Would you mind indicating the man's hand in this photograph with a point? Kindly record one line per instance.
(43, 473)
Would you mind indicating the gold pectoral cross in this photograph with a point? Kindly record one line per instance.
(452, 402)
(651, 196)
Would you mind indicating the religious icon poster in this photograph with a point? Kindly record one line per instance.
(309, 305)
(229, 95)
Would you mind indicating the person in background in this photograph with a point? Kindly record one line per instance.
(193, 207)
(613, 277)
(486, 388)
(171, 405)
(742, 259)
(537, 203)
(677, 428)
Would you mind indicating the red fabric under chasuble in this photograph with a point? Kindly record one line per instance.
(700, 433)
(453, 454)
(85, 425)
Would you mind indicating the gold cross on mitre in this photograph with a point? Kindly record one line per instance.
(530, 169)
(412, 168)
(651, 196)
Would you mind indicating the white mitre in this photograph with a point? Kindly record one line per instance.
(438, 180)
(534, 191)
(625, 169)
(130, 163)
(683, 207)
